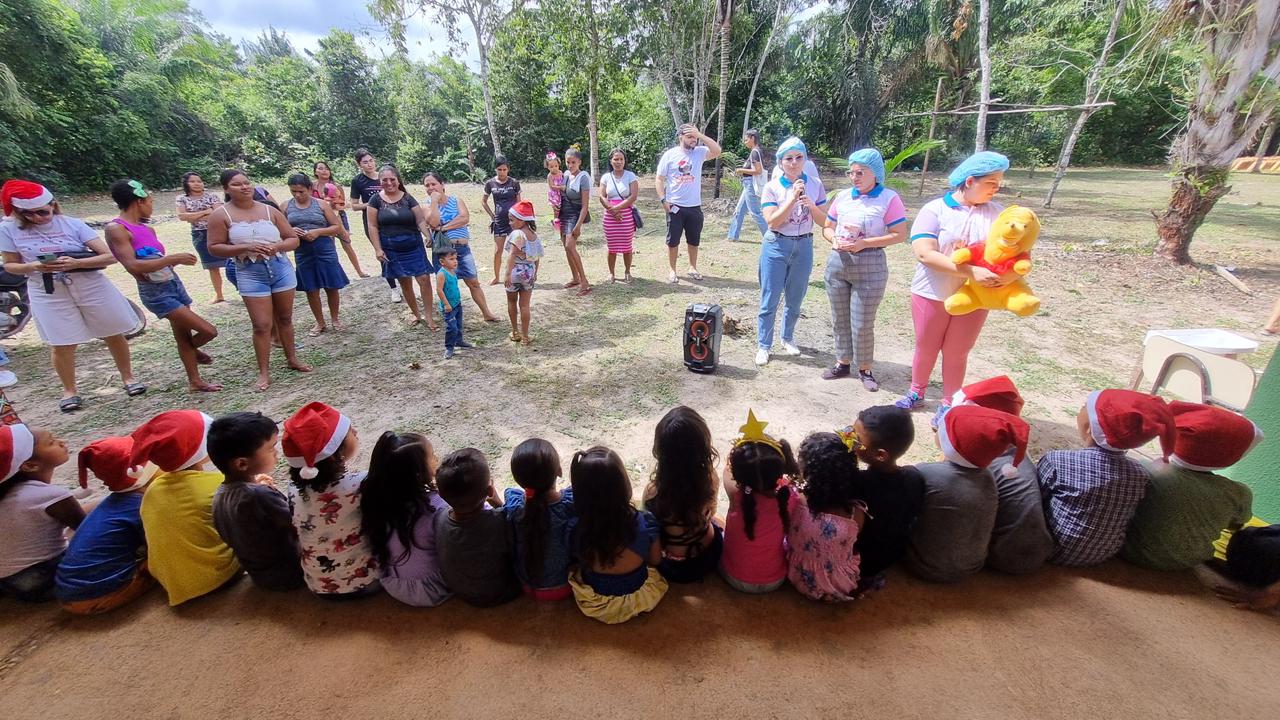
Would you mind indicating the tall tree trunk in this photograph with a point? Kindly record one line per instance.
(669, 91)
(726, 32)
(764, 55)
(488, 96)
(1196, 190)
(1092, 91)
(1264, 145)
(593, 133)
(984, 61)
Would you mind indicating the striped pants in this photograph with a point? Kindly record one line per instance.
(855, 287)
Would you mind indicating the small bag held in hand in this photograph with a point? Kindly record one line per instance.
(440, 242)
(635, 215)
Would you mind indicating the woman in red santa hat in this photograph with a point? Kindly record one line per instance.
(71, 298)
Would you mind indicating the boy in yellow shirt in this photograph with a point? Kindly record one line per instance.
(184, 552)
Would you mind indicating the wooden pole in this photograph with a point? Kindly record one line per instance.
(933, 120)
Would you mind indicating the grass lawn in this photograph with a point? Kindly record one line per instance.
(604, 368)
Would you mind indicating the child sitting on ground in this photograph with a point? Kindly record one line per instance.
(1251, 575)
(184, 552)
(950, 538)
(893, 494)
(524, 250)
(450, 302)
(476, 544)
(250, 514)
(682, 496)
(757, 481)
(1020, 540)
(34, 514)
(1187, 505)
(617, 546)
(540, 514)
(823, 562)
(401, 507)
(337, 559)
(1090, 494)
(105, 566)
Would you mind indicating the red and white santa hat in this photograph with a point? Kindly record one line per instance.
(997, 393)
(1126, 419)
(17, 445)
(1210, 438)
(24, 195)
(173, 440)
(974, 436)
(523, 210)
(313, 433)
(109, 460)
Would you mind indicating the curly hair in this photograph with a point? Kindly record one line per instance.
(602, 498)
(682, 490)
(756, 469)
(535, 465)
(829, 471)
(396, 493)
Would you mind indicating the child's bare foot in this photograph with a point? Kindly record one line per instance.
(264, 382)
(317, 330)
(300, 366)
(203, 386)
(203, 358)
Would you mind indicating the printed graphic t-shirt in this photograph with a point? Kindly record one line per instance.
(683, 172)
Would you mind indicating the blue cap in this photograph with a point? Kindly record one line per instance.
(791, 143)
(870, 157)
(977, 165)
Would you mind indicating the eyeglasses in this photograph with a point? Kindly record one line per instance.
(857, 173)
(42, 212)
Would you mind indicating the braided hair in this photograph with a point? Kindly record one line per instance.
(757, 468)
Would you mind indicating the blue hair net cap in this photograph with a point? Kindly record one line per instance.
(791, 143)
(869, 157)
(977, 165)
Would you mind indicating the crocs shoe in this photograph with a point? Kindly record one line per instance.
(937, 416)
(868, 381)
(910, 401)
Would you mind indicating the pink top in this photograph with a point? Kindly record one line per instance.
(824, 561)
(555, 193)
(142, 236)
(761, 560)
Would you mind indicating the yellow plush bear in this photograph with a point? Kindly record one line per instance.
(1008, 247)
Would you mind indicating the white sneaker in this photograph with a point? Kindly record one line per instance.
(762, 356)
(789, 349)
(396, 295)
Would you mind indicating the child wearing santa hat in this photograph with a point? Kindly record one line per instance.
(34, 514)
(337, 559)
(184, 552)
(1020, 540)
(1188, 505)
(950, 539)
(1090, 494)
(105, 566)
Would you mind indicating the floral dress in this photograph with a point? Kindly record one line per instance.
(336, 557)
(824, 561)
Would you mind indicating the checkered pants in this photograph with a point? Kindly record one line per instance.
(855, 287)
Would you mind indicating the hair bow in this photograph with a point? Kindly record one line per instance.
(138, 190)
(850, 438)
(529, 493)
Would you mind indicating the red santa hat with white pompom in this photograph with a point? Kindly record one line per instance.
(173, 440)
(313, 433)
(23, 195)
(17, 445)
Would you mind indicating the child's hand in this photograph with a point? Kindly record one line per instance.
(495, 500)
(264, 479)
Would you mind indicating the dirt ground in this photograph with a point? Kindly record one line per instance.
(1113, 641)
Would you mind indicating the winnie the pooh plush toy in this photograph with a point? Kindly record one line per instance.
(1008, 247)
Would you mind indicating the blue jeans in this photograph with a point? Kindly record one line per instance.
(452, 326)
(785, 262)
(748, 201)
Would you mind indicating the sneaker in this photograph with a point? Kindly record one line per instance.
(836, 371)
(396, 295)
(673, 278)
(448, 353)
(762, 356)
(910, 401)
(790, 349)
(868, 381)
(937, 416)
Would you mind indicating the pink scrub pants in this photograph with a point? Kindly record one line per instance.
(938, 332)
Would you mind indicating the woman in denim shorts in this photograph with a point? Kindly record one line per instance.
(195, 206)
(138, 249)
(454, 219)
(258, 236)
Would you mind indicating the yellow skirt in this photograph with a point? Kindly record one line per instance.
(614, 609)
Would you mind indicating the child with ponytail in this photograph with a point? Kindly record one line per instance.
(539, 512)
(761, 501)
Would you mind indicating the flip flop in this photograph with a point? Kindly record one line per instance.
(70, 404)
(694, 275)
(514, 337)
(135, 389)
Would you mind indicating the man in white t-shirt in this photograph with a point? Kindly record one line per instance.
(678, 181)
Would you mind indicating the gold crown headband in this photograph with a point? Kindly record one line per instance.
(753, 432)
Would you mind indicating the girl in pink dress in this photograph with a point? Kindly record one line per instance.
(555, 186)
(824, 562)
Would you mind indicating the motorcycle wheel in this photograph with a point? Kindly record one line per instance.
(141, 327)
(14, 313)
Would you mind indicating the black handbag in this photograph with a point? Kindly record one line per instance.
(635, 210)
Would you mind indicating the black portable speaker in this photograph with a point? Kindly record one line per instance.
(703, 326)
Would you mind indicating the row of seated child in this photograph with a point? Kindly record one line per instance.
(830, 519)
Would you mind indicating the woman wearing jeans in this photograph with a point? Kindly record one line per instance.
(792, 204)
(753, 180)
(960, 218)
(862, 221)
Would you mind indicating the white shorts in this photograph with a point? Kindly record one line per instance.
(87, 308)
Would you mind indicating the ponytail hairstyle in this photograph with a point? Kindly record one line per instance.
(829, 470)
(759, 469)
(396, 493)
(535, 465)
(684, 478)
(225, 178)
(602, 498)
(300, 179)
(396, 172)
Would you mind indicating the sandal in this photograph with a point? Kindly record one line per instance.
(70, 404)
(514, 336)
(135, 389)
(694, 275)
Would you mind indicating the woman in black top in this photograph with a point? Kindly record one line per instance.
(397, 224)
(363, 187)
(505, 191)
